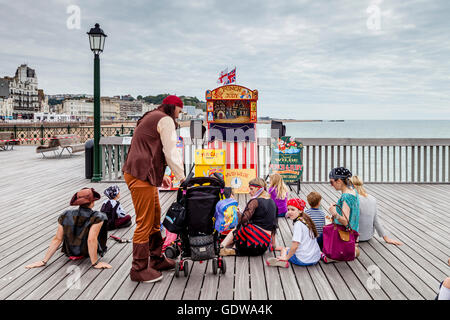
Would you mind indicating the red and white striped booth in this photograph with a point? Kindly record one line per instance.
(232, 108)
(239, 155)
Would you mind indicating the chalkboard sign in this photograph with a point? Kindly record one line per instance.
(287, 158)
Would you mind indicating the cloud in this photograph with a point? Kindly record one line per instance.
(313, 59)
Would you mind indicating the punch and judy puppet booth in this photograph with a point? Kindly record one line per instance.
(231, 113)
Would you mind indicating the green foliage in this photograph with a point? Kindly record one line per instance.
(52, 101)
(189, 101)
(155, 99)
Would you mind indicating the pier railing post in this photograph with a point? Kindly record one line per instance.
(42, 134)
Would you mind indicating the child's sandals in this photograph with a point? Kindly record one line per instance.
(274, 262)
(227, 251)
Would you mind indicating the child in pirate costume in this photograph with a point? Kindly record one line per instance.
(117, 218)
(81, 232)
(257, 225)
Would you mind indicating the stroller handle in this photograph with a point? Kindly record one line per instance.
(218, 176)
(185, 182)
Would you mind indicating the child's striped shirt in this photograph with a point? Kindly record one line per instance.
(318, 216)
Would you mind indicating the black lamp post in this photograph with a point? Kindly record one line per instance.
(97, 42)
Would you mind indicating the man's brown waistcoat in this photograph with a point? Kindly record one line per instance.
(145, 159)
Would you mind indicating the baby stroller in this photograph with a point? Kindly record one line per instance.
(197, 239)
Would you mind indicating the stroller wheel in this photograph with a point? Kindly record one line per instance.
(186, 268)
(171, 252)
(177, 269)
(215, 264)
(223, 266)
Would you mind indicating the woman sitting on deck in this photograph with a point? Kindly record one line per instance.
(80, 230)
(368, 219)
(256, 225)
(349, 202)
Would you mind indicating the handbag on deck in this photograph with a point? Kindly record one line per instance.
(339, 242)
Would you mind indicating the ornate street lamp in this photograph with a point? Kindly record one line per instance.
(97, 42)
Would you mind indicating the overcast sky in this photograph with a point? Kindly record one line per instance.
(309, 59)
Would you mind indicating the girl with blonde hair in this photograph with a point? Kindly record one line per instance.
(368, 217)
(279, 193)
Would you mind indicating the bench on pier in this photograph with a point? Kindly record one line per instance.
(69, 142)
(6, 145)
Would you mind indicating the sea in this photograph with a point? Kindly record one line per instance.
(368, 129)
(359, 129)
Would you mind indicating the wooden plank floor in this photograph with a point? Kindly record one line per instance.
(34, 191)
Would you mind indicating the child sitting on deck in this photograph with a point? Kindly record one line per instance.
(113, 209)
(304, 250)
(81, 231)
(279, 193)
(317, 215)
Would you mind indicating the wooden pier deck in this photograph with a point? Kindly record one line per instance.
(34, 191)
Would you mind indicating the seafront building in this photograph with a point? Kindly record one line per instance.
(23, 89)
(21, 100)
(6, 100)
(191, 113)
(110, 109)
(148, 107)
(83, 109)
(52, 117)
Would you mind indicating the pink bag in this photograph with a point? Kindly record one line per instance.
(339, 242)
(170, 238)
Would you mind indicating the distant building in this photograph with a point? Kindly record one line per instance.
(127, 98)
(6, 108)
(148, 107)
(52, 117)
(4, 88)
(130, 110)
(191, 112)
(43, 101)
(23, 88)
(83, 109)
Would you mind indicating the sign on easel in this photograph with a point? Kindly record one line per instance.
(287, 159)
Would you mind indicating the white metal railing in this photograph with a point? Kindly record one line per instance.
(373, 160)
(113, 152)
(378, 160)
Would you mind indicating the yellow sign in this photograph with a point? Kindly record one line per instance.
(209, 161)
(232, 92)
(238, 179)
(210, 156)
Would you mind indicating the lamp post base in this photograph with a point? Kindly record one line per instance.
(96, 178)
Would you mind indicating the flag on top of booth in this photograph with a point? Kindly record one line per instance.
(231, 77)
(223, 76)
